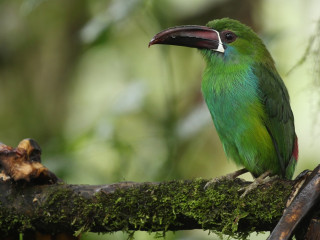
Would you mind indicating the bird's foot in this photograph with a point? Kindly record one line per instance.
(230, 176)
(262, 179)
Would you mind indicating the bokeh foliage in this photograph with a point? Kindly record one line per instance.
(78, 77)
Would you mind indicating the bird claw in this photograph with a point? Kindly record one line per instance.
(217, 180)
(263, 179)
(228, 177)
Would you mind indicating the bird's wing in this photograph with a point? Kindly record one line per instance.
(279, 121)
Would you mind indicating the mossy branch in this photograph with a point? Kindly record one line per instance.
(174, 205)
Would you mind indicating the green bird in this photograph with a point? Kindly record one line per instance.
(245, 94)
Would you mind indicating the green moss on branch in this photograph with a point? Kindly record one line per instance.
(175, 205)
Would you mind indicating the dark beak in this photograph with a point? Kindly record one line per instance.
(190, 36)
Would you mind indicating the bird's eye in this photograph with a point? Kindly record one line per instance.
(229, 37)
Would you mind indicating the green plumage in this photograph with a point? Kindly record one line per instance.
(246, 97)
(249, 103)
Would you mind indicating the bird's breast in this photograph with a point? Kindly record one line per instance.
(234, 103)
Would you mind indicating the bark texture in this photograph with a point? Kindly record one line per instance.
(129, 206)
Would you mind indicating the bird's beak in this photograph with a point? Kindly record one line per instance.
(190, 36)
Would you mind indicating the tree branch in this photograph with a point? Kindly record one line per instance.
(174, 205)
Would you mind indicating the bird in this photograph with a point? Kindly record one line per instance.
(247, 99)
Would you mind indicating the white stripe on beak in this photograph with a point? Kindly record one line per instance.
(220, 46)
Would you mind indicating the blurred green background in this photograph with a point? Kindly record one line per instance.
(78, 77)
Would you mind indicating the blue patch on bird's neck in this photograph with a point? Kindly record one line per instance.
(231, 55)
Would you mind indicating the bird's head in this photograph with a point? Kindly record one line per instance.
(225, 38)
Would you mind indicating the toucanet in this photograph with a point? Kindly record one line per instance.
(247, 99)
